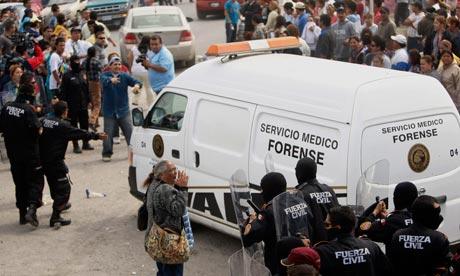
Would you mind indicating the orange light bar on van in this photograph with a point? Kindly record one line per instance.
(252, 46)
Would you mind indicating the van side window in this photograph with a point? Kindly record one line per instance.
(168, 112)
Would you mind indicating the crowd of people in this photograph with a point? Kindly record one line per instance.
(56, 81)
(423, 38)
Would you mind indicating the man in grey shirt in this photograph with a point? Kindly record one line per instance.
(343, 29)
(5, 39)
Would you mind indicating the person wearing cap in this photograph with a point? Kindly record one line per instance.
(420, 249)
(75, 46)
(21, 129)
(319, 197)
(450, 77)
(284, 247)
(380, 226)
(115, 106)
(344, 254)
(386, 27)
(400, 59)
(28, 13)
(261, 227)
(302, 270)
(302, 255)
(288, 8)
(302, 16)
(343, 29)
(160, 64)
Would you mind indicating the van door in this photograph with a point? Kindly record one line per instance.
(162, 136)
(217, 145)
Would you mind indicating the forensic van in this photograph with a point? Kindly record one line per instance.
(229, 112)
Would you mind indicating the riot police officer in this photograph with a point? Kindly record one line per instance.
(261, 227)
(21, 129)
(420, 249)
(57, 132)
(319, 197)
(346, 255)
(380, 226)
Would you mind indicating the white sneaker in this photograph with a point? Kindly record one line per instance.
(106, 158)
(116, 140)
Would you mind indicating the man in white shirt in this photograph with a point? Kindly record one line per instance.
(55, 65)
(86, 33)
(414, 39)
(400, 59)
(76, 46)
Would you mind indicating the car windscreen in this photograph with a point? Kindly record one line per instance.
(156, 20)
(60, 2)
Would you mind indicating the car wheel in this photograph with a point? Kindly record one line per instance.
(191, 62)
(201, 15)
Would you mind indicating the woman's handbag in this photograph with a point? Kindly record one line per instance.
(166, 246)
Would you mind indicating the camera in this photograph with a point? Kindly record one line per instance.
(143, 49)
(23, 40)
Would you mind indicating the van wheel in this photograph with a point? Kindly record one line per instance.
(201, 15)
(191, 62)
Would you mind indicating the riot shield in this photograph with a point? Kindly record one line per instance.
(242, 264)
(373, 186)
(269, 163)
(239, 188)
(291, 214)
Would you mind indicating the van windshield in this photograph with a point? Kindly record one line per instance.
(168, 112)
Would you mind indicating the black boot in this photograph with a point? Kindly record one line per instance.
(76, 147)
(67, 206)
(31, 215)
(87, 146)
(22, 216)
(57, 221)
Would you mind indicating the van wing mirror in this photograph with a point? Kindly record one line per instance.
(189, 19)
(138, 116)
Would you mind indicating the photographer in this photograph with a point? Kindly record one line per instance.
(30, 63)
(136, 57)
(160, 65)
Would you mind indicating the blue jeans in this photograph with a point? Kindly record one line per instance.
(230, 34)
(170, 269)
(110, 125)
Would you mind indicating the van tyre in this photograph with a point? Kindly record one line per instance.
(201, 15)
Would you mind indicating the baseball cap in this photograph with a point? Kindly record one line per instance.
(300, 6)
(114, 59)
(302, 255)
(399, 38)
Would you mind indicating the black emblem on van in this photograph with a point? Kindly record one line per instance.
(419, 158)
(158, 146)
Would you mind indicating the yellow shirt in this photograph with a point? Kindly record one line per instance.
(58, 29)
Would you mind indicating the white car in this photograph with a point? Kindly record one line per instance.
(167, 21)
(70, 8)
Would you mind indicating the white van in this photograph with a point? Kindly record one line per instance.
(220, 116)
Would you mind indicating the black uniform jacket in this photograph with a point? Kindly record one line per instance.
(382, 230)
(263, 229)
(56, 135)
(20, 127)
(418, 250)
(74, 91)
(350, 256)
(320, 198)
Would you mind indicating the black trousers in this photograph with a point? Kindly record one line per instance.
(58, 182)
(79, 118)
(29, 182)
(401, 13)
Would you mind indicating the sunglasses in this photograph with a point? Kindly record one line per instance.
(102, 38)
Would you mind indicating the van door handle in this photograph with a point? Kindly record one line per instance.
(441, 199)
(175, 154)
(197, 159)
